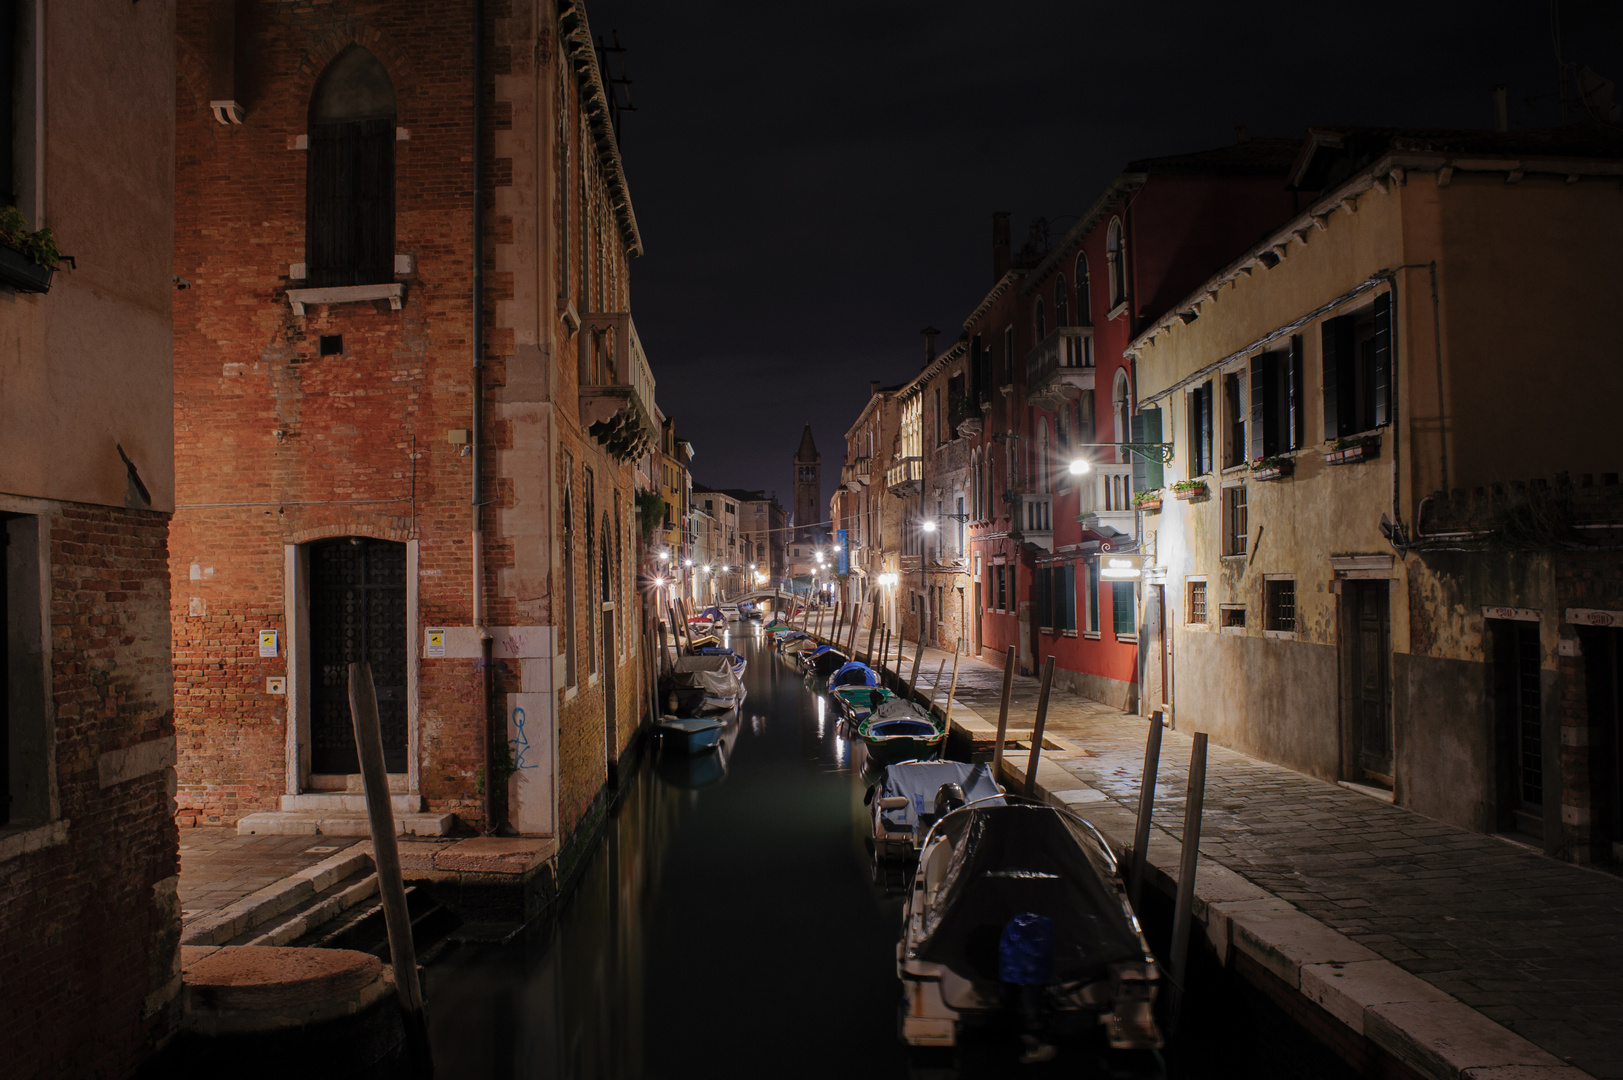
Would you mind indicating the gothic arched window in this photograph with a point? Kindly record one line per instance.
(349, 223)
(1062, 307)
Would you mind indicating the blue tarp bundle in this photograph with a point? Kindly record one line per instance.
(854, 673)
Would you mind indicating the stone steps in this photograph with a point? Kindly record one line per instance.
(338, 822)
(321, 910)
(291, 894)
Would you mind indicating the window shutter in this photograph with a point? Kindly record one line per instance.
(1069, 592)
(1206, 449)
(1383, 358)
(1040, 595)
(1258, 435)
(1330, 341)
(1135, 427)
(1152, 434)
(1293, 394)
(374, 217)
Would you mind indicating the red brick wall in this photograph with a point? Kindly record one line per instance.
(89, 928)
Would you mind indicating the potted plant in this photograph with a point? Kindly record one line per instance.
(1270, 468)
(1147, 500)
(28, 257)
(1345, 451)
(1190, 489)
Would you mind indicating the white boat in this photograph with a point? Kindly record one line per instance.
(991, 881)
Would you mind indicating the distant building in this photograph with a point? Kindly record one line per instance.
(873, 522)
(89, 910)
(1386, 547)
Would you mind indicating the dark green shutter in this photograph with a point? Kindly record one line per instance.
(1258, 435)
(1153, 473)
(1135, 425)
(1206, 448)
(1093, 595)
(1336, 349)
(1293, 394)
(1383, 358)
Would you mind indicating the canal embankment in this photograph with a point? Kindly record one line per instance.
(1409, 946)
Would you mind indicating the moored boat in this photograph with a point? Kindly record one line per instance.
(691, 735)
(856, 703)
(853, 673)
(901, 731)
(1069, 958)
(911, 796)
(824, 660)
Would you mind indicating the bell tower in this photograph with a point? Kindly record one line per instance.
(808, 483)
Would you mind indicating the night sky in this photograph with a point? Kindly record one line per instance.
(814, 181)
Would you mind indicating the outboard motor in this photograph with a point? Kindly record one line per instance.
(948, 797)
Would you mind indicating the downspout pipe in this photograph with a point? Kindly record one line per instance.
(487, 674)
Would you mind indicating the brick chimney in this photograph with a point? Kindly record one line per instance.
(873, 387)
(1000, 245)
(929, 333)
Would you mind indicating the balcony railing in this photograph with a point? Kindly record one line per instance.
(906, 477)
(857, 474)
(1105, 499)
(1035, 518)
(1060, 367)
(616, 385)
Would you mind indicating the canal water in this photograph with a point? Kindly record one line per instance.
(729, 925)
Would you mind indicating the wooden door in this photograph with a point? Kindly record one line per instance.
(1372, 689)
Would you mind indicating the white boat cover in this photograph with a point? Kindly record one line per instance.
(712, 674)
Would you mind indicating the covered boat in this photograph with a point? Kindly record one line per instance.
(853, 673)
(901, 731)
(856, 703)
(824, 660)
(691, 735)
(1021, 906)
(911, 796)
(713, 674)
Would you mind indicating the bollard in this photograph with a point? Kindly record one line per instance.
(363, 709)
(1037, 728)
(1003, 715)
(1146, 805)
(1188, 863)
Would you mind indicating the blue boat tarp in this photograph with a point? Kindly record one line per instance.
(821, 649)
(918, 782)
(714, 614)
(854, 673)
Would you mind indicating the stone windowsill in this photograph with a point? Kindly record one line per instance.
(22, 839)
(393, 291)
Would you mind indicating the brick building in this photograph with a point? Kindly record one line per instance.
(89, 915)
(410, 409)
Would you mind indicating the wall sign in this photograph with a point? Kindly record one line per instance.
(436, 641)
(1594, 617)
(1515, 614)
(267, 643)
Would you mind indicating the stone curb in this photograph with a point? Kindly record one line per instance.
(260, 907)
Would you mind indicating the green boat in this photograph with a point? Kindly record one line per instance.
(901, 731)
(856, 703)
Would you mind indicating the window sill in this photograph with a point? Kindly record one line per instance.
(1068, 633)
(1200, 626)
(1239, 630)
(571, 693)
(1117, 311)
(1131, 639)
(1091, 635)
(23, 839)
(394, 292)
(1280, 635)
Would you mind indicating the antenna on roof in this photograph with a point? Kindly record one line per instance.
(615, 86)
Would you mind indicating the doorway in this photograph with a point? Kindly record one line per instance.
(357, 612)
(1519, 720)
(1370, 683)
(1602, 651)
(1153, 650)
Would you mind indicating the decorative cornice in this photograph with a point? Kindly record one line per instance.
(934, 367)
(575, 34)
(1002, 286)
(1123, 185)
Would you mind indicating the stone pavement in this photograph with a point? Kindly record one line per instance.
(218, 867)
(1527, 941)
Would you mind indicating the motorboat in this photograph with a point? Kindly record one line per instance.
(1020, 909)
(901, 730)
(690, 735)
(713, 674)
(824, 660)
(736, 659)
(856, 703)
(911, 796)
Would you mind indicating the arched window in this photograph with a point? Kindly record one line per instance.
(1062, 307)
(1042, 454)
(349, 218)
(1122, 409)
(1115, 254)
(1084, 307)
(1042, 329)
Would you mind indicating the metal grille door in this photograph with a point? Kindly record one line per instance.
(357, 612)
(1374, 644)
(1529, 704)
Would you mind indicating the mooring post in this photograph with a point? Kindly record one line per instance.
(839, 610)
(1037, 728)
(957, 648)
(1188, 864)
(363, 708)
(873, 628)
(1146, 805)
(1003, 716)
(856, 626)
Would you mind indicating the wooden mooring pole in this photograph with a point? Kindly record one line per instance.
(1146, 805)
(957, 649)
(363, 708)
(1188, 864)
(1002, 716)
(1037, 728)
(918, 658)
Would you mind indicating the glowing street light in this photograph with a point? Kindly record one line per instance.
(690, 562)
(927, 525)
(1079, 466)
(887, 579)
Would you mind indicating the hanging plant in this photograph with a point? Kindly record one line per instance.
(38, 244)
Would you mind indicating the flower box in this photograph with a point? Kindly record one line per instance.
(1349, 454)
(23, 273)
(1199, 491)
(1271, 472)
(1149, 504)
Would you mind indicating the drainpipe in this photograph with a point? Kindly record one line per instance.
(487, 675)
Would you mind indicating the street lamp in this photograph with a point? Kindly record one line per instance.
(1079, 466)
